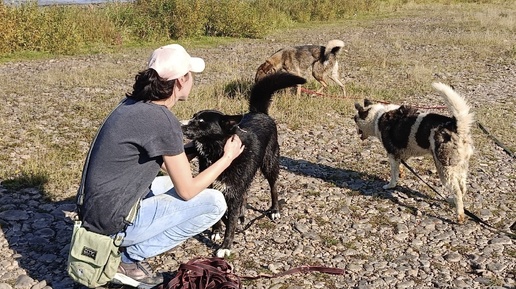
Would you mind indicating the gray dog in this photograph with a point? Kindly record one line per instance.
(298, 59)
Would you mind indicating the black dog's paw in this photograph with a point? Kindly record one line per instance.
(274, 214)
(222, 253)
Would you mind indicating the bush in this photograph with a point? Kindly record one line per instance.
(73, 28)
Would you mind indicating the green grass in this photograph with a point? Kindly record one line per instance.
(75, 29)
(48, 118)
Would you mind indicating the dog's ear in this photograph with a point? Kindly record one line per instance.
(362, 112)
(267, 67)
(367, 102)
(229, 123)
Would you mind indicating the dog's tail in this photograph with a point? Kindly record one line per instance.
(332, 47)
(458, 107)
(262, 91)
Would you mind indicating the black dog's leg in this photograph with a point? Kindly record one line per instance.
(270, 169)
(241, 218)
(233, 213)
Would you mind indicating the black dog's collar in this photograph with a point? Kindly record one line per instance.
(190, 150)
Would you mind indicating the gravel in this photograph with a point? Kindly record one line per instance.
(334, 210)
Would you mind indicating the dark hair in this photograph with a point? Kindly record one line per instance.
(149, 86)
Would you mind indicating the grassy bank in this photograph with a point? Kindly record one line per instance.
(74, 29)
(52, 108)
(29, 30)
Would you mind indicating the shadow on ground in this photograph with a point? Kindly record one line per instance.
(37, 231)
(365, 184)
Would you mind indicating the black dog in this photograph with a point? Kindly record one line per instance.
(209, 130)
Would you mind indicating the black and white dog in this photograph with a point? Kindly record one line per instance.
(209, 130)
(406, 132)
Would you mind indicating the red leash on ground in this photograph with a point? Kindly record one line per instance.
(379, 101)
(217, 273)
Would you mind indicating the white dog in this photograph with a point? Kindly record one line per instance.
(406, 132)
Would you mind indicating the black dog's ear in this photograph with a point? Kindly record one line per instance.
(367, 102)
(362, 112)
(230, 122)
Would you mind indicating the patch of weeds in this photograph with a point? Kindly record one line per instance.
(249, 283)
(298, 216)
(337, 206)
(312, 193)
(350, 245)
(380, 220)
(410, 210)
(389, 257)
(329, 241)
(26, 180)
(238, 88)
(320, 221)
(460, 249)
(231, 258)
(436, 266)
(353, 193)
(249, 264)
(330, 284)
(265, 224)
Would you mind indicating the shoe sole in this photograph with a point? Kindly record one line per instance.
(122, 279)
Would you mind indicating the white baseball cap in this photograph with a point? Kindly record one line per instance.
(172, 61)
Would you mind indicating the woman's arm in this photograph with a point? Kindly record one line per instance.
(187, 186)
(190, 152)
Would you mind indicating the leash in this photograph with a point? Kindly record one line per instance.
(480, 126)
(497, 142)
(379, 101)
(301, 269)
(468, 213)
(217, 273)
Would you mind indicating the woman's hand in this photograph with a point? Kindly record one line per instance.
(233, 147)
(188, 186)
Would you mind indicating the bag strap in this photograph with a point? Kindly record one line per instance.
(80, 193)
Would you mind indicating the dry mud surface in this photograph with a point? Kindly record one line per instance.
(334, 212)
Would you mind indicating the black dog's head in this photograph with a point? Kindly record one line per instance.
(211, 124)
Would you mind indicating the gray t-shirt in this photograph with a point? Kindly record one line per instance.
(125, 159)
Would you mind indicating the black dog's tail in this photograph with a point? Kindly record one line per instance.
(262, 91)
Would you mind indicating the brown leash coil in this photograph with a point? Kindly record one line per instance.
(217, 273)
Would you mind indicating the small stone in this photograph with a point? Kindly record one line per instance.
(453, 257)
(14, 215)
(23, 282)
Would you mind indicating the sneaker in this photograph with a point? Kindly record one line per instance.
(138, 274)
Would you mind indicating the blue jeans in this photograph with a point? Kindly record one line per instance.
(164, 220)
